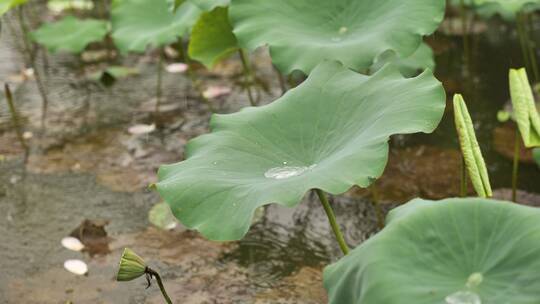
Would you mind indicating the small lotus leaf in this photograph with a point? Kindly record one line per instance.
(302, 33)
(6, 5)
(160, 216)
(411, 66)
(508, 9)
(212, 38)
(70, 34)
(470, 148)
(525, 110)
(439, 251)
(329, 133)
(138, 24)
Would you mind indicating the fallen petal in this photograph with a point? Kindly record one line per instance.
(77, 267)
(72, 243)
(177, 68)
(216, 91)
(142, 129)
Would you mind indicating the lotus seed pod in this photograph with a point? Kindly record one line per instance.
(131, 267)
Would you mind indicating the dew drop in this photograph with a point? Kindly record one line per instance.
(343, 30)
(463, 297)
(286, 172)
(475, 280)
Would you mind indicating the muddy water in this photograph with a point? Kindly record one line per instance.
(88, 167)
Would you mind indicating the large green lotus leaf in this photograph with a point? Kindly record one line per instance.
(508, 9)
(410, 66)
(474, 161)
(70, 34)
(6, 5)
(138, 24)
(302, 33)
(208, 5)
(432, 250)
(329, 133)
(525, 112)
(212, 38)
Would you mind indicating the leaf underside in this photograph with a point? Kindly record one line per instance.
(329, 133)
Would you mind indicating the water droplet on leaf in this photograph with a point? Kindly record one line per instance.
(463, 297)
(286, 172)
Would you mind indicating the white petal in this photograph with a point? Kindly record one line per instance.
(142, 129)
(216, 91)
(72, 243)
(77, 267)
(177, 68)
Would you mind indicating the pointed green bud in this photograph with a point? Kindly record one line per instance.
(131, 267)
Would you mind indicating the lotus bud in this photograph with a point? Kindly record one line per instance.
(131, 267)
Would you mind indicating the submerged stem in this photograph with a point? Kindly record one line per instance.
(281, 80)
(333, 223)
(16, 122)
(515, 169)
(247, 75)
(375, 201)
(465, 28)
(527, 26)
(154, 273)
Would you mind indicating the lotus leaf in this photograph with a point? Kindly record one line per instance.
(411, 66)
(525, 110)
(208, 5)
(6, 5)
(471, 149)
(508, 9)
(483, 250)
(138, 24)
(70, 34)
(302, 33)
(329, 133)
(212, 38)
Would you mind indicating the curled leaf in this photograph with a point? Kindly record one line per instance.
(525, 111)
(470, 148)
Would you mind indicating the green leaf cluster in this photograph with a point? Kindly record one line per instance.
(6, 5)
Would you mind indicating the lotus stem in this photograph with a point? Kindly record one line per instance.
(333, 223)
(524, 42)
(16, 122)
(376, 204)
(527, 26)
(465, 28)
(247, 76)
(187, 60)
(281, 80)
(31, 62)
(154, 273)
(463, 180)
(159, 82)
(515, 169)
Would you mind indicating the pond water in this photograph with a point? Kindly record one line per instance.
(87, 175)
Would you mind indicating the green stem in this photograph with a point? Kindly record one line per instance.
(333, 223)
(196, 84)
(523, 42)
(247, 75)
(375, 201)
(515, 169)
(159, 83)
(30, 51)
(466, 48)
(527, 26)
(463, 183)
(160, 284)
(16, 122)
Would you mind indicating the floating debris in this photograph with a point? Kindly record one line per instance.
(77, 267)
(177, 68)
(72, 243)
(141, 129)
